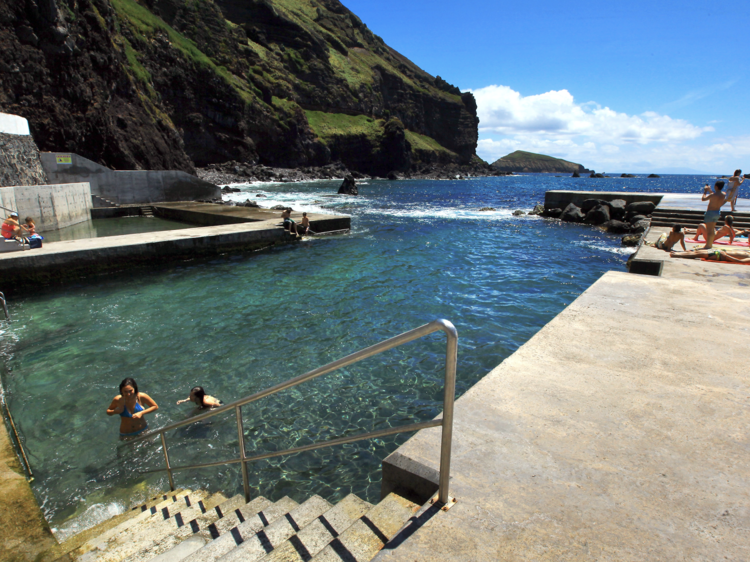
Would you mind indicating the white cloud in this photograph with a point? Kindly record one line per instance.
(556, 114)
(598, 137)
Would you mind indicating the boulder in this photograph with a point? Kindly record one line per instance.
(627, 176)
(595, 175)
(278, 208)
(632, 219)
(518, 213)
(261, 195)
(654, 176)
(617, 209)
(250, 203)
(484, 209)
(537, 210)
(598, 215)
(552, 213)
(641, 226)
(589, 204)
(631, 239)
(392, 176)
(576, 174)
(641, 207)
(616, 227)
(572, 213)
(348, 186)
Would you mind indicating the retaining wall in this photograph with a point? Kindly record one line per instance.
(52, 206)
(127, 187)
(561, 199)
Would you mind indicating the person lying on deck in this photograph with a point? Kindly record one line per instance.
(726, 230)
(734, 256)
(667, 241)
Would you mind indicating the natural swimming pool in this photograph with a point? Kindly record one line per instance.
(99, 228)
(240, 323)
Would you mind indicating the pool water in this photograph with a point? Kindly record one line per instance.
(418, 250)
(99, 228)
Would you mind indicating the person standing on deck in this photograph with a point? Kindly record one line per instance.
(734, 187)
(715, 201)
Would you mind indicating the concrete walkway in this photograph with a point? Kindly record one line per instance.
(618, 432)
(692, 202)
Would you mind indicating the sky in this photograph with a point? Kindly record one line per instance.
(635, 86)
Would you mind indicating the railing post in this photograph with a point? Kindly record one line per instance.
(241, 436)
(166, 460)
(449, 396)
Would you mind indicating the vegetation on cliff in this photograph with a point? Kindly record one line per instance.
(177, 83)
(521, 161)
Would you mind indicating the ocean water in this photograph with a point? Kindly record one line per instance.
(236, 324)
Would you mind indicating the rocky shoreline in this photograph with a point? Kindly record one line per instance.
(238, 172)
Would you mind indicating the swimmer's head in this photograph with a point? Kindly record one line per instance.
(738, 173)
(128, 382)
(196, 395)
(719, 185)
(676, 228)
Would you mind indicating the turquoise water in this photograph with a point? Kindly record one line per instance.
(99, 228)
(236, 324)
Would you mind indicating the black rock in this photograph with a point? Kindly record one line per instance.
(537, 210)
(572, 213)
(349, 186)
(631, 239)
(261, 195)
(250, 203)
(635, 218)
(654, 176)
(641, 226)
(617, 227)
(641, 207)
(552, 213)
(392, 176)
(627, 176)
(589, 204)
(595, 175)
(486, 209)
(617, 209)
(576, 174)
(518, 213)
(278, 208)
(598, 215)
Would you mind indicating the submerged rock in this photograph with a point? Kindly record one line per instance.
(348, 186)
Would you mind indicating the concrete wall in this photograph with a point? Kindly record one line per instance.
(52, 206)
(13, 124)
(127, 187)
(561, 199)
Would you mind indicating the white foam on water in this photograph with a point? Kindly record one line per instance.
(619, 250)
(321, 203)
(93, 515)
(449, 213)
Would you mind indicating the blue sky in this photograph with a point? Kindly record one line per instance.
(635, 86)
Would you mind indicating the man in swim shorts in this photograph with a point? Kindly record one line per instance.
(667, 241)
(715, 201)
(734, 256)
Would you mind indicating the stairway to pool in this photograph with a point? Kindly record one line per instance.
(195, 526)
(691, 219)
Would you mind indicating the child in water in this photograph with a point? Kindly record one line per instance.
(201, 399)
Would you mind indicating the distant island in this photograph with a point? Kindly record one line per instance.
(520, 161)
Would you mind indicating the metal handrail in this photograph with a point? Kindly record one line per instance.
(5, 306)
(449, 392)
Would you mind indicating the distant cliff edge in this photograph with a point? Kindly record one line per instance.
(520, 161)
(175, 84)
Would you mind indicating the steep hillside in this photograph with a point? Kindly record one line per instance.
(520, 161)
(160, 84)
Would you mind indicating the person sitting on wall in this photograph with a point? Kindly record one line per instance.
(11, 229)
(734, 256)
(289, 224)
(30, 226)
(726, 230)
(304, 226)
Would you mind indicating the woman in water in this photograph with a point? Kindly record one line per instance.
(132, 406)
(199, 396)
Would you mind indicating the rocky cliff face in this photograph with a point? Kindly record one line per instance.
(19, 161)
(521, 161)
(171, 84)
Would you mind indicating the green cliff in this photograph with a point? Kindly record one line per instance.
(158, 84)
(520, 161)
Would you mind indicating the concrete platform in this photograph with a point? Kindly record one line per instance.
(618, 432)
(63, 261)
(692, 202)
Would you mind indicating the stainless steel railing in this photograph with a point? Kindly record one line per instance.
(446, 422)
(5, 306)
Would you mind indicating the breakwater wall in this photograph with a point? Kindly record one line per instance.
(51, 206)
(127, 187)
(560, 199)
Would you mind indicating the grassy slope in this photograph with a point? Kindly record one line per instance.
(522, 156)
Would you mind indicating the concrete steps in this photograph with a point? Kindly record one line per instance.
(691, 219)
(190, 526)
(147, 211)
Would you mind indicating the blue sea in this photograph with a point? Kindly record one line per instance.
(236, 324)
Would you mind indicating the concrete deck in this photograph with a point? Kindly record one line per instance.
(58, 262)
(618, 432)
(692, 202)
